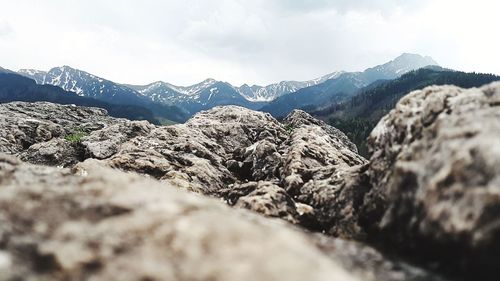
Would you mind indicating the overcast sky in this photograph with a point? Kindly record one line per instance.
(244, 41)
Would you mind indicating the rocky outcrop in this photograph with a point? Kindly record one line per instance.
(435, 172)
(429, 193)
(46, 133)
(101, 225)
(25, 124)
(95, 223)
(245, 157)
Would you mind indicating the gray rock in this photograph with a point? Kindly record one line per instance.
(298, 118)
(96, 223)
(180, 155)
(105, 224)
(213, 153)
(106, 142)
(35, 130)
(265, 198)
(319, 170)
(435, 172)
(235, 127)
(55, 152)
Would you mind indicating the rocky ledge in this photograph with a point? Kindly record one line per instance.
(132, 201)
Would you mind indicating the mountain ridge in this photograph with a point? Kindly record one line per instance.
(278, 98)
(346, 85)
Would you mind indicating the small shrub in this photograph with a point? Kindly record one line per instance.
(76, 136)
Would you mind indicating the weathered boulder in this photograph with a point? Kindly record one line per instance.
(298, 118)
(321, 169)
(179, 155)
(435, 172)
(106, 142)
(37, 131)
(54, 152)
(235, 127)
(215, 153)
(96, 223)
(263, 197)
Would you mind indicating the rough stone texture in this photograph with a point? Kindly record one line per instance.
(125, 226)
(299, 118)
(214, 153)
(179, 155)
(226, 147)
(24, 124)
(318, 171)
(265, 198)
(36, 131)
(235, 127)
(337, 197)
(95, 223)
(55, 152)
(435, 172)
(106, 142)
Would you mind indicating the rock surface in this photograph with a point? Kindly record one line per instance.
(213, 153)
(95, 223)
(25, 124)
(429, 193)
(435, 172)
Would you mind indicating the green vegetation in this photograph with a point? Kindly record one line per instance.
(165, 122)
(76, 136)
(289, 129)
(359, 115)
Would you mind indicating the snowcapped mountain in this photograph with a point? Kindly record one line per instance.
(88, 85)
(399, 66)
(345, 85)
(171, 94)
(197, 97)
(271, 92)
(84, 84)
(284, 95)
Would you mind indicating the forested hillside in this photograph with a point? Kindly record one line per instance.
(359, 115)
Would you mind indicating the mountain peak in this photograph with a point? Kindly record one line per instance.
(402, 64)
(209, 81)
(415, 58)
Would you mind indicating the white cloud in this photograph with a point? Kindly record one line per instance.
(259, 41)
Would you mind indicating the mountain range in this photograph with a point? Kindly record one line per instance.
(350, 101)
(346, 85)
(177, 103)
(14, 87)
(91, 86)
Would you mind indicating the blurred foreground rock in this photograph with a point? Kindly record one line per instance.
(435, 172)
(95, 223)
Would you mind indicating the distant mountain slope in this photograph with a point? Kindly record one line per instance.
(14, 87)
(358, 115)
(88, 85)
(177, 103)
(271, 92)
(345, 85)
(192, 99)
(3, 70)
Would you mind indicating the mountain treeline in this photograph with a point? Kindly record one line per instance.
(359, 115)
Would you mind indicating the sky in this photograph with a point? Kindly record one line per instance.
(240, 41)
